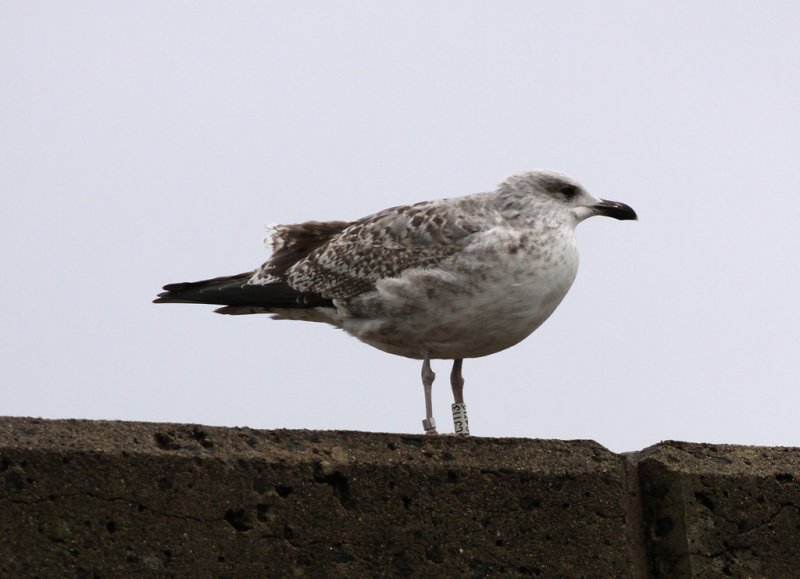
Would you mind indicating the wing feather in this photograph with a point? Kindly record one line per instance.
(383, 245)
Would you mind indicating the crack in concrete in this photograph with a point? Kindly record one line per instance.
(143, 507)
(133, 503)
(750, 528)
(770, 518)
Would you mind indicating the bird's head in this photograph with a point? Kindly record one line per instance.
(549, 192)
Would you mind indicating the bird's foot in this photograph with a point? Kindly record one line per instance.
(429, 424)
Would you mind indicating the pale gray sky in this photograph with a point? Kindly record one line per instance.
(150, 142)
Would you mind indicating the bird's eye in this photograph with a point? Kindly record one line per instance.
(568, 191)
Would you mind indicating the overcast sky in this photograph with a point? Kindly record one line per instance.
(143, 143)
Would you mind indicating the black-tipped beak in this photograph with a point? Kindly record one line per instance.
(614, 209)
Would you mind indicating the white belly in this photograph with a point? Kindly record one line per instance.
(485, 300)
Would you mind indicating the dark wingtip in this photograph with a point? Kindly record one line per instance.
(169, 298)
(171, 291)
(237, 296)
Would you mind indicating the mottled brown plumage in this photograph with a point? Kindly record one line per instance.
(453, 278)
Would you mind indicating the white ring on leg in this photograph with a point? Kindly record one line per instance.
(460, 420)
(429, 424)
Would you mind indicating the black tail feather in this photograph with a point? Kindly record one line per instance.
(234, 290)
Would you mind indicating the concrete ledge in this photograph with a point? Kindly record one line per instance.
(721, 510)
(113, 499)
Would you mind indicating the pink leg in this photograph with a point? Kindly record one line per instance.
(457, 382)
(429, 424)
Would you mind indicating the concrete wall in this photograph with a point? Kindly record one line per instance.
(116, 499)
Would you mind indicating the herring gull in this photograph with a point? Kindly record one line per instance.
(453, 278)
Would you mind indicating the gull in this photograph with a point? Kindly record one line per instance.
(455, 278)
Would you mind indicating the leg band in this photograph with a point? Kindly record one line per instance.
(460, 421)
(429, 424)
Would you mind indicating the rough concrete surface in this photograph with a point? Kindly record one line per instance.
(721, 510)
(95, 499)
(120, 499)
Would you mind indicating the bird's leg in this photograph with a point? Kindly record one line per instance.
(429, 424)
(457, 382)
(460, 421)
